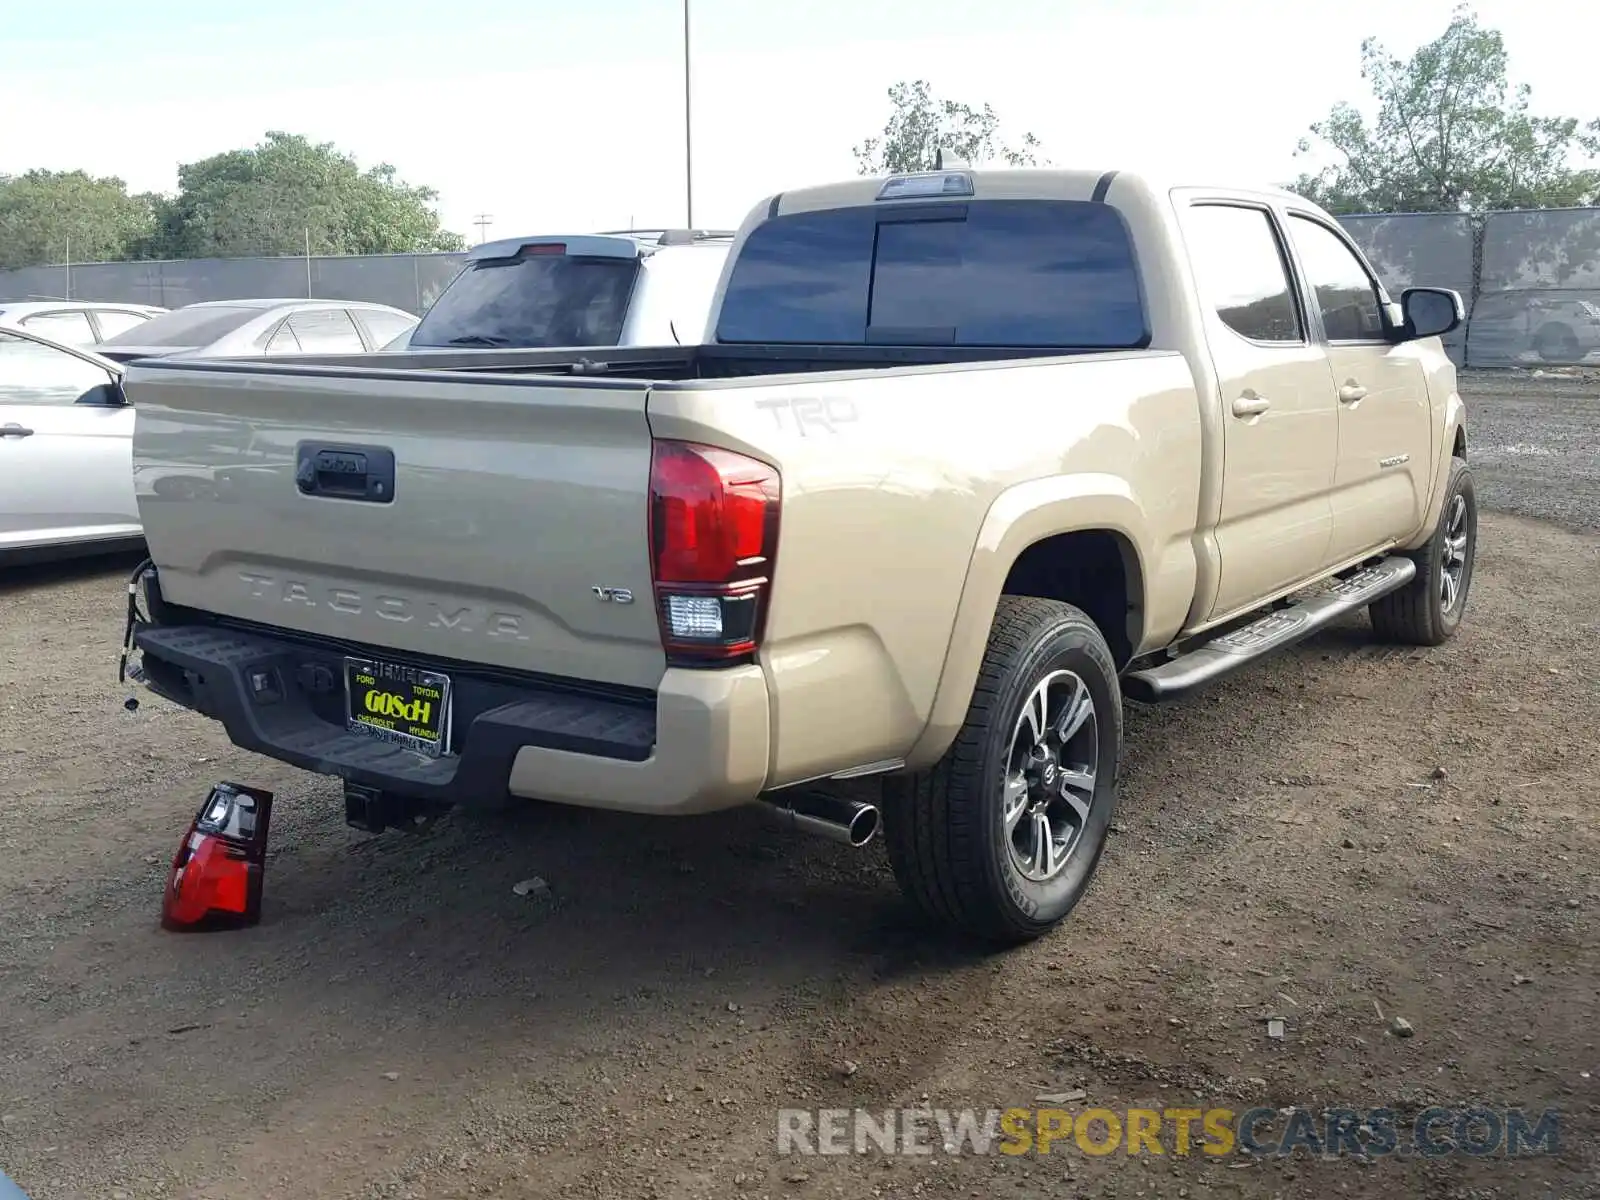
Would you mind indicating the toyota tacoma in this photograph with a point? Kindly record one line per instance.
(966, 458)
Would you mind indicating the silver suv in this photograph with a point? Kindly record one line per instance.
(622, 288)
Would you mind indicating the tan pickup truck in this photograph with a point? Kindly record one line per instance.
(969, 457)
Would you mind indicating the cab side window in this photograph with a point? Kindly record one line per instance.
(1346, 294)
(1241, 272)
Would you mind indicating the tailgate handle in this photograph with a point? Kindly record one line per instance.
(338, 472)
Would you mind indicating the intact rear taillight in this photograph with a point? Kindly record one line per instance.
(713, 540)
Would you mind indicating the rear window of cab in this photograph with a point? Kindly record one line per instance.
(1053, 274)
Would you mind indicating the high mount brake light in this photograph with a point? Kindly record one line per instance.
(713, 542)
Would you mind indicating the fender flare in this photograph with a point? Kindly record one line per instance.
(1019, 517)
(1455, 421)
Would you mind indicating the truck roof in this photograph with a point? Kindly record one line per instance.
(1016, 183)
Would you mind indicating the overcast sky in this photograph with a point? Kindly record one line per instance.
(556, 116)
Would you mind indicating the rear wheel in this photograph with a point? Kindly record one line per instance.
(999, 839)
(1428, 610)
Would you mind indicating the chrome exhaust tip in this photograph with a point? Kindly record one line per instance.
(849, 821)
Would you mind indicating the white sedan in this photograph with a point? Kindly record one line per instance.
(250, 328)
(66, 450)
(75, 322)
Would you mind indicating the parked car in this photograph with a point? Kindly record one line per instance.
(1564, 329)
(628, 288)
(253, 328)
(66, 435)
(966, 457)
(75, 322)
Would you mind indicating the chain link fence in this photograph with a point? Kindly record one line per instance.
(408, 281)
(1421, 249)
(1531, 279)
(1538, 295)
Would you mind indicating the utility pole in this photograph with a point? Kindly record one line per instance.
(688, 129)
(483, 221)
(69, 266)
(308, 262)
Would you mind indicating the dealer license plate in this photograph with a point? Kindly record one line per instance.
(396, 703)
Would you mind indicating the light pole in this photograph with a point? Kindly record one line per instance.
(688, 128)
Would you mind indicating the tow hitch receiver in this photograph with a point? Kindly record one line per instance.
(216, 876)
(373, 810)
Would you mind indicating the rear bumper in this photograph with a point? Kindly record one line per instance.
(701, 745)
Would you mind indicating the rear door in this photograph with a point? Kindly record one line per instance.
(1280, 427)
(65, 466)
(485, 512)
(1385, 458)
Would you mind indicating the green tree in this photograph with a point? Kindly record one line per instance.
(45, 216)
(268, 199)
(920, 125)
(1451, 135)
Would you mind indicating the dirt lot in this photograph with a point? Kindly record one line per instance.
(403, 1024)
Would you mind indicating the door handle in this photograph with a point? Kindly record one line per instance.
(1352, 392)
(15, 430)
(1250, 405)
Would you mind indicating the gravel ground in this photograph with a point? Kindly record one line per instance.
(1347, 835)
(1535, 443)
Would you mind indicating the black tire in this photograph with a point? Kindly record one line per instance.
(945, 828)
(1417, 614)
(1557, 343)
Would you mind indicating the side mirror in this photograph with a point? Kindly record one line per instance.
(1430, 312)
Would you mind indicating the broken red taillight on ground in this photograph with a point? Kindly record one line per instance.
(713, 542)
(216, 876)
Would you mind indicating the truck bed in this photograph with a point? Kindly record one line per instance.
(492, 517)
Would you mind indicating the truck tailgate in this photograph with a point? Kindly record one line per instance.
(463, 517)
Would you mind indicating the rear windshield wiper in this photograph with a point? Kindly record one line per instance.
(478, 339)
